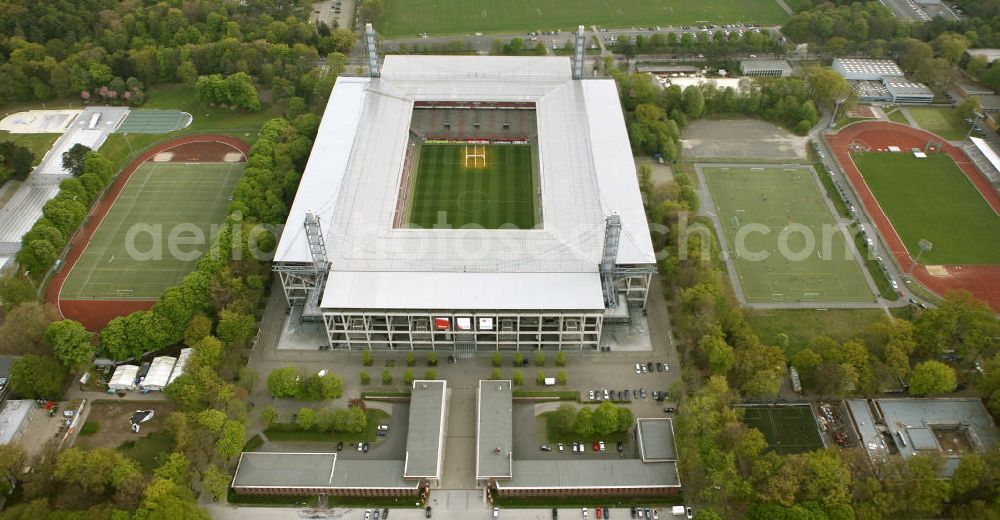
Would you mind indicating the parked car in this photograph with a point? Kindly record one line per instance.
(561, 446)
(451, 359)
(427, 512)
(597, 510)
(365, 449)
(689, 513)
(607, 514)
(644, 369)
(375, 514)
(385, 513)
(496, 512)
(621, 448)
(632, 512)
(555, 514)
(605, 394)
(585, 512)
(649, 514)
(340, 445)
(659, 366)
(627, 395)
(602, 445)
(361, 446)
(641, 514)
(597, 447)
(590, 395)
(642, 393)
(669, 409)
(649, 366)
(368, 514)
(545, 447)
(638, 368)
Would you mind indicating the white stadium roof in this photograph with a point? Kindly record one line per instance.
(353, 175)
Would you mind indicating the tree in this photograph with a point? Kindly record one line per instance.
(518, 378)
(365, 377)
(386, 377)
(805, 362)
(408, 376)
(12, 460)
(430, 374)
(605, 418)
(625, 418)
(23, 329)
(177, 469)
(932, 378)
(241, 92)
(561, 377)
(496, 359)
(318, 387)
(914, 53)
(539, 377)
(833, 379)
(36, 377)
(583, 425)
(306, 418)
(827, 86)
(411, 360)
(15, 290)
(366, 358)
(518, 359)
(236, 328)
(207, 352)
(951, 46)
(211, 419)
(230, 444)
(968, 108)
(693, 101)
(539, 359)
(73, 159)
(133, 335)
(496, 374)
(283, 382)
(71, 343)
(371, 11)
(215, 481)
(560, 359)
(432, 359)
(718, 354)
(267, 416)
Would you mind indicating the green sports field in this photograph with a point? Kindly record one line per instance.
(788, 429)
(497, 194)
(410, 17)
(943, 121)
(765, 207)
(932, 199)
(158, 199)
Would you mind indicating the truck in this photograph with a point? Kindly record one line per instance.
(550, 381)
(677, 511)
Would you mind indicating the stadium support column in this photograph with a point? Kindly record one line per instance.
(317, 248)
(372, 50)
(612, 234)
(578, 53)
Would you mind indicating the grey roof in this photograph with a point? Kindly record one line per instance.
(908, 414)
(653, 68)
(352, 179)
(900, 87)
(755, 65)
(923, 439)
(656, 439)
(991, 55)
(592, 474)
(864, 422)
(866, 69)
(494, 429)
(425, 438)
(287, 470)
(12, 419)
(367, 473)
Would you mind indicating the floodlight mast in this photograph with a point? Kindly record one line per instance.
(371, 47)
(578, 53)
(612, 236)
(924, 245)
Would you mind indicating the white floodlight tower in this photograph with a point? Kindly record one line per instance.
(320, 265)
(372, 50)
(612, 235)
(578, 53)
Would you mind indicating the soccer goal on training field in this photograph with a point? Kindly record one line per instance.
(475, 156)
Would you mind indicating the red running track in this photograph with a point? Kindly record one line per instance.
(983, 281)
(95, 314)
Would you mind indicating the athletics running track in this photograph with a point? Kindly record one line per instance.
(95, 314)
(983, 281)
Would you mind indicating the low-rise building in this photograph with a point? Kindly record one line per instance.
(766, 68)
(14, 419)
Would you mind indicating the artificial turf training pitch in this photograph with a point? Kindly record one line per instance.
(457, 185)
(159, 198)
(787, 429)
(932, 199)
(755, 205)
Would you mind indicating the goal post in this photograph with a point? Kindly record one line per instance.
(475, 156)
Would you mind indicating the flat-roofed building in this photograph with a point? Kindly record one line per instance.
(903, 91)
(766, 68)
(991, 55)
(301, 474)
(608, 477)
(494, 431)
(859, 69)
(656, 439)
(14, 419)
(427, 431)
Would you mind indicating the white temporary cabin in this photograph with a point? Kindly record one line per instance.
(123, 378)
(181, 363)
(159, 373)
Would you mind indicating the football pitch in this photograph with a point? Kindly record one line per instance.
(130, 256)
(782, 239)
(932, 199)
(410, 17)
(458, 185)
(788, 429)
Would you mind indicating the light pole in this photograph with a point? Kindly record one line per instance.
(924, 245)
(833, 118)
(979, 115)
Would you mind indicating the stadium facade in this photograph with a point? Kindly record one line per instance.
(349, 257)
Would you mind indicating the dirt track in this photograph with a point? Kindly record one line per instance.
(95, 314)
(983, 281)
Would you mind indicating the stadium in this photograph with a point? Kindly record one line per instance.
(469, 203)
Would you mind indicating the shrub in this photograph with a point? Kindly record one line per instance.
(366, 358)
(408, 376)
(410, 359)
(386, 377)
(495, 374)
(496, 359)
(539, 359)
(518, 378)
(432, 359)
(561, 377)
(540, 377)
(430, 374)
(365, 378)
(561, 359)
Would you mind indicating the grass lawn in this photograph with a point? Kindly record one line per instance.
(943, 121)
(801, 325)
(409, 17)
(788, 429)
(932, 199)
(149, 451)
(39, 144)
(896, 115)
(448, 186)
(784, 241)
(285, 432)
(163, 198)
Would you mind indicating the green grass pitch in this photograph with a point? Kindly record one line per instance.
(787, 429)
(943, 121)
(158, 196)
(932, 199)
(410, 17)
(501, 193)
(769, 199)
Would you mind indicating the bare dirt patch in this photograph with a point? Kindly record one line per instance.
(112, 416)
(739, 139)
